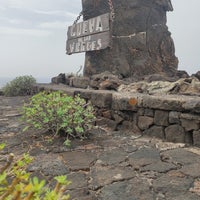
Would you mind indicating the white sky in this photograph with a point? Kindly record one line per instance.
(33, 35)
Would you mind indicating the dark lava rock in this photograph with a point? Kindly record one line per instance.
(141, 42)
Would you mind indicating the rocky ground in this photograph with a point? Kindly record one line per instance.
(108, 165)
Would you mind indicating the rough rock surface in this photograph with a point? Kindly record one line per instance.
(141, 42)
(152, 84)
(108, 165)
(185, 86)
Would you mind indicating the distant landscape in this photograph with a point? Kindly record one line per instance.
(4, 80)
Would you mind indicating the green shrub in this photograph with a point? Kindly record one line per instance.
(20, 86)
(58, 113)
(16, 184)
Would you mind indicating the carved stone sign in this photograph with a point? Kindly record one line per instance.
(90, 35)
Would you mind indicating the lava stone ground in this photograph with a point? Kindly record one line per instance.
(107, 165)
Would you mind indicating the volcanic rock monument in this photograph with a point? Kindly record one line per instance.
(139, 41)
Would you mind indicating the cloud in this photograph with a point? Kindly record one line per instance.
(53, 25)
(36, 18)
(2, 8)
(56, 13)
(11, 21)
(24, 32)
(13, 3)
(43, 4)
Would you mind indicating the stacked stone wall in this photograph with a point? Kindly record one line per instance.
(173, 118)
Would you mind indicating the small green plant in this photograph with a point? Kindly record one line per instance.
(16, 184)
(67, 143)
(59, 113)
(20, 86)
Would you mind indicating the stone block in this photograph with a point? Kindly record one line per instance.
(196, 138)
(82, 162)
(85, 94)
(161, 118)
(126, 125)
(193, 105)
(173, 186)
(101, 99)
(106, 175)
(143, 157)
(94, 84)
(191, 170)
(155, 131)
(189, 138)
(109, 85)
(122, 102)
(126, 115)
(78, 179)
(107, 114)
(48, 164)
(175, 133)
(162, 102)
(190, 116)
(190, 125)
(144, 122)
(141, 111)
(107, 124)
(174, 117)
(80, 82)
(117, 117)
(129, 126)
(112, 157)
(149, 112)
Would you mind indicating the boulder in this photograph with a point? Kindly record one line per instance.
(59, 79)
(182, 74)
(197, 75)
(105, 81)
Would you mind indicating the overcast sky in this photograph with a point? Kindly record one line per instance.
(33, 35)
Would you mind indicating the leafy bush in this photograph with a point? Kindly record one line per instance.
(15, 182)
(57, 112)
(20, 86)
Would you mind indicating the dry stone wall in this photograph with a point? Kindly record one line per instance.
(173, 118)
